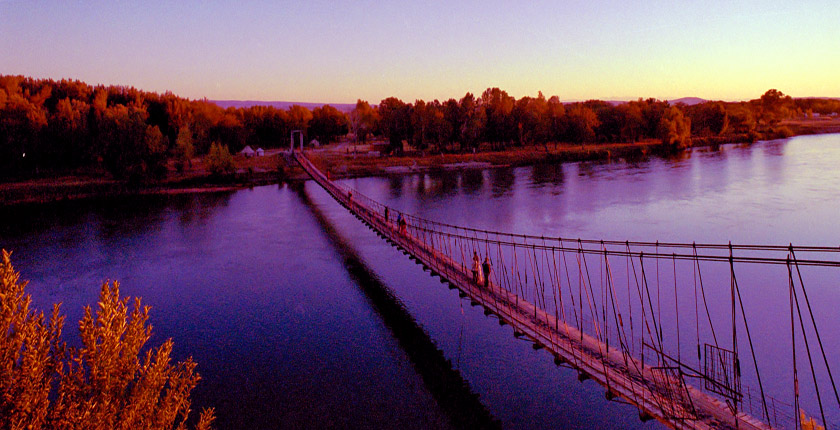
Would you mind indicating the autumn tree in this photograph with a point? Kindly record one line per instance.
(499, 127)
(299, 117)
(363, 120)
(219, 161)
(675, 128)
(708, 119)
(556, 119)
(184, 150)
(774, 106)
(473, 121)
(133, 150)
(395, 122)
(111, 382)
(267, 126)
(327, 123)
(581, 122)
(21, 123)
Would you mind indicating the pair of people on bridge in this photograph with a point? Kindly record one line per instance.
(481, 272)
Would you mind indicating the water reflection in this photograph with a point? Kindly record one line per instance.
(446, 384)
(547, 174)
(502, 180)
(472, 181)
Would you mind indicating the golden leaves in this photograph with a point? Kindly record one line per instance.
(103, 384)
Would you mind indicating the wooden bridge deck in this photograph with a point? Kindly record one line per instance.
(622, 375)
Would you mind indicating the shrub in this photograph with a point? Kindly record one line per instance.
(219, 161)
(103, 384)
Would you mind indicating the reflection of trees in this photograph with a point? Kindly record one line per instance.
(199, 206)
(395, 184)
(444, 183)
(547, 173)
(502, 180)
(472, 180)
(449, 389)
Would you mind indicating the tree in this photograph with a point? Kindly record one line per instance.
(708, 119)
(531, 117)
(327, 123)
(774, 106)
(363, 120)
(675, 129)
(395, 121)
(133, 150)
(499, 126)
(581, 122)
(219, 161)
(741, 118)
(184, 150)
(299, 118)
(555, 116)
(632, 122)
(102, 385)
(473, 121)
(267, 126)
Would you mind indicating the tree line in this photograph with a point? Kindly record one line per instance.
(49, 126)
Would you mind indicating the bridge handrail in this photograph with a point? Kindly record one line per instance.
(427, 225)
(383, 217)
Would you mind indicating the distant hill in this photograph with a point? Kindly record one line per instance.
(343, 107)
(347, 107)
(689, 101)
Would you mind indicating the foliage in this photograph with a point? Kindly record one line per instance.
(133, 150)
(49, 126)
(708, 119)
(103, 384)
(581, 122)
(675, 129)
(363, 119)
(184, 150)
(773, 106)
(219, 161)
(327, 124)
(395, 121)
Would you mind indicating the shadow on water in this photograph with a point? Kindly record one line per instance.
(447, 386)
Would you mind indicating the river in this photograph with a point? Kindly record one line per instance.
(300, 317)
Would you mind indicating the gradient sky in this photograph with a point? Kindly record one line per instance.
(338, 51)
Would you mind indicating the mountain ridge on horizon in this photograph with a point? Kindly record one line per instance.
(347, 107)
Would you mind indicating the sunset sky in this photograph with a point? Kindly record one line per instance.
(338, 51)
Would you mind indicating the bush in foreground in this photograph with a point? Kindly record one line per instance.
(102, 385)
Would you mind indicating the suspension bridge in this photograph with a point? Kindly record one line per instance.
(661, 326)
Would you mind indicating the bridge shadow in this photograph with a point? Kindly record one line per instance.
(449, 389)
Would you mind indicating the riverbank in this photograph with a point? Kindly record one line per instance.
(344, 161)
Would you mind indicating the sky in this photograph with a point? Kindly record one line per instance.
(340, 51)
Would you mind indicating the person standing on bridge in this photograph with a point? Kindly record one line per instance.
(486, 267)
(403, 225)
(476, 270)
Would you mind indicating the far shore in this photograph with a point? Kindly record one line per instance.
(345, 160)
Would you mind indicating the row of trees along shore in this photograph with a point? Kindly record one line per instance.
(50, 127)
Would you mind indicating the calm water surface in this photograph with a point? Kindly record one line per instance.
(299, 316)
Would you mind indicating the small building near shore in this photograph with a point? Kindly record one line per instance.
(248, 151)
(314, 143)
(260, 152)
